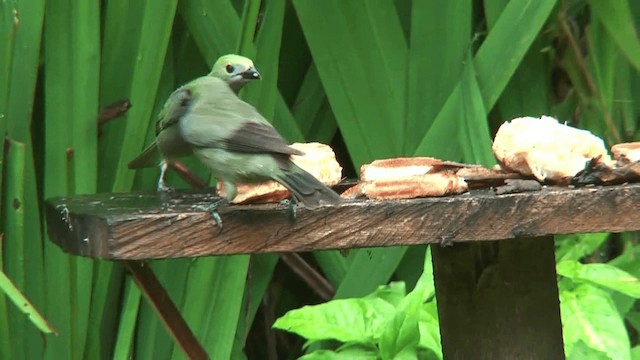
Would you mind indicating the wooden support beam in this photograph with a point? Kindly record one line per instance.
(498, 300)
(166, 309)
(148, 226)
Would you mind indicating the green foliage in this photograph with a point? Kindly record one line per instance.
(386, 78)
(386, 324)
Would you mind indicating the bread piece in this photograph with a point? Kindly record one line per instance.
(626, 153)
(318, 159)
(440, 184)
(546, 149)
(396, 168)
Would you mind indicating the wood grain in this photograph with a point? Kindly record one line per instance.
(146, 226)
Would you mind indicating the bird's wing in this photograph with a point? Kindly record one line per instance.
(219, 119)
(174, 108)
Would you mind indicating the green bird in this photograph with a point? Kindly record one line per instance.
(234, 70)
(237, 144)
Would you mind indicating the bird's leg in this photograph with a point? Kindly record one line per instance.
(162, 186)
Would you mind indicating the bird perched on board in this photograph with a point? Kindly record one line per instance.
(237, 144)
(234, 70)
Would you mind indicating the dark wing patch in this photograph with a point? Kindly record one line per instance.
(176, 109)
(258, 137)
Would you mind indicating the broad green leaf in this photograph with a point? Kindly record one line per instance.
(401, 336)
(495, 62)
(369, 268)
(154, 40)
(392, 293)
(367, 96)
(588, 315)
(346, 320)
(582, 351)
(577, 246)
(604, 275)
(475, 137)
(124, 343)
(351, 354)
(440, 40)
(430, 330)
(615, 16)
(215, 316)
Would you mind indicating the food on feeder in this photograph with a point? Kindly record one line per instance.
(318, 159)
(626, 153)
(546, 149)
(407, 178)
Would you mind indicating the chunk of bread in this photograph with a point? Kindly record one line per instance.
(318, 159)
(546, 149)
(408, 178)
(626, 153)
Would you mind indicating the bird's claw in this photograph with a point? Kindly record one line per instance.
(293, 206)
(163, 188)
(213, 210)
(216, 217)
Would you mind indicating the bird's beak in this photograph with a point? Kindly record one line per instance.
(251, 74)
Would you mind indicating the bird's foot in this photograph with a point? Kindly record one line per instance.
(293, 206)
(164, 188)
(213, 210)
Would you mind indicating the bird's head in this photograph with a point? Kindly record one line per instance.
(236, 70)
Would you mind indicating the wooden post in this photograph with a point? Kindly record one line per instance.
(498, 300)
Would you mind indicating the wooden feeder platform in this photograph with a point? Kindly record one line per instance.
(493, 255)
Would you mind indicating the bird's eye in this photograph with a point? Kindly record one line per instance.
(229, 68)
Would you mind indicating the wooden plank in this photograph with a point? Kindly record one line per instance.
(498, 300)
(145, 226)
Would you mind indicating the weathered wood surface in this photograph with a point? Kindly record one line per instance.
(498, 300)
(144, 226)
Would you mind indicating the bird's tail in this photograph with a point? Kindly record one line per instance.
(150, 157)
(307, 189)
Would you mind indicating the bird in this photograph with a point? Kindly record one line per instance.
(234, 70)
(237, 144)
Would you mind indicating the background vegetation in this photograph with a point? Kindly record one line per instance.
(375, 78)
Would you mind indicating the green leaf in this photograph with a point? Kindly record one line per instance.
(214, 318)
(367, 97)
(24, 305)
(495, 62)
(604, 275)
(430, 329)
(577, 246)
(128, 317)
(351, 354)
(440, 40)
(369, 268)
(616, 17)
(582, 351)
(347, 320)
(588, 315)
(392, 293)
(475, 137)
